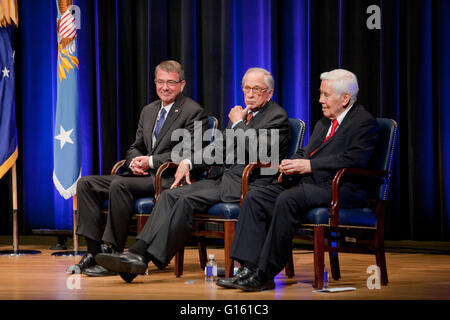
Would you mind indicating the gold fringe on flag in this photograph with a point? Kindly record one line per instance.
(8, 13)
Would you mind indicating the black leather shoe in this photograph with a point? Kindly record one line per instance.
(127, 277)
(86, 261)
(158, 264)
(242, 274)
(256, 283)
(122, 262)
(98, 271)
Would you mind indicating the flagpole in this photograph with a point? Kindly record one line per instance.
(14, 196)
(75, 237)
(76, 246)
(16, 251)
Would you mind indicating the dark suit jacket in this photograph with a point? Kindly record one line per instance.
(351, 146)
(271, 116)
(182, 115)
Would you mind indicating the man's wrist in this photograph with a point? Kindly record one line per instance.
(150, 162)
(234, 124)
(188, 162)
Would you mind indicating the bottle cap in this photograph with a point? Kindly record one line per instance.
(211, 256)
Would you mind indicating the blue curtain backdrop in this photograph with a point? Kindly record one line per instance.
(403, 69)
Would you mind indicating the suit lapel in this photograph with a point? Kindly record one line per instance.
(340, 129)
(318, 144)
(171, 117)
(151, 124)
(255, 122)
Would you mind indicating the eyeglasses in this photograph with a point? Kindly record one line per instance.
(256, 90)
(170, 83)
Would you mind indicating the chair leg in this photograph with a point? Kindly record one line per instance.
(141, 221)
(229, 227)
(75, 213)
(381, 258)
(318, 256)
(334, 257)
(289, 267)
(334, 264)
(201, 245)
(179, 260)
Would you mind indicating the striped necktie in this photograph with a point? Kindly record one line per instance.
(249, 117)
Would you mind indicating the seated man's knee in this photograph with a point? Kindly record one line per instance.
(255, 196)
(252, 195)
(117, 184)
(289, 199)
(82, 183)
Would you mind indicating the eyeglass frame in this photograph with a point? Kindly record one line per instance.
(169, 83)
(263, 90)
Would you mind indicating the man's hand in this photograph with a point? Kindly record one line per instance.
(140, 165)
(183, 173)
(237, 113)
(295, 166)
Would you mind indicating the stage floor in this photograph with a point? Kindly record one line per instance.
(42, 277)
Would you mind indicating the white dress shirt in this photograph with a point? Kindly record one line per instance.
(339, 119)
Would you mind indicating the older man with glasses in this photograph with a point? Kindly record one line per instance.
(169, 226)
(152, 147)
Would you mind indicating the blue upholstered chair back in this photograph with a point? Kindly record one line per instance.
(381, 159)
(212, 124)
(297, 135)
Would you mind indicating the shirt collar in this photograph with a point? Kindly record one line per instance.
(168, 107)
(341, 117)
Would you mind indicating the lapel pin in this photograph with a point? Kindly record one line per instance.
(176, 110)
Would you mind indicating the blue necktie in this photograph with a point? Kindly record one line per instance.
(160, 122)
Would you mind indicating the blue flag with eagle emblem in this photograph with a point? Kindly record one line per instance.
(66, 148)
(8, 131)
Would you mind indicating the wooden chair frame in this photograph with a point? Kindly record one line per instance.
(336, 234)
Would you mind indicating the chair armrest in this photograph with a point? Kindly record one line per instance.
(335, 200)
(159, 172)
(246, 176)
(117, 166)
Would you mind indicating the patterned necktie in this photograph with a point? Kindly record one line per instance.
(333, 130)
(249, 117)
(160, 122)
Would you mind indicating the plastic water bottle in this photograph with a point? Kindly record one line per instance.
(325, 277)
(211, 269)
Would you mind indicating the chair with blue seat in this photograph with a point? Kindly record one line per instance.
(143, 206)
(359, 230)
(220, 219)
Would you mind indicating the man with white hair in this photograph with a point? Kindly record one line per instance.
(270, 215)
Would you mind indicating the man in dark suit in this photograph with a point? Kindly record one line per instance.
(169, 225)
(153, 146)
(270, 216)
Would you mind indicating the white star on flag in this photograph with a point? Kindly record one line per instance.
(64, 136)
(5, 72)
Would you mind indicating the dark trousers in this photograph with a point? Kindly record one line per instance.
(169, 226)
(121, 191)
(268, 220)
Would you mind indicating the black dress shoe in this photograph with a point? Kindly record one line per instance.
(242, 274)
(256, 283)
(86, 261)
(98, 271)
(127, 277)
(126, 262)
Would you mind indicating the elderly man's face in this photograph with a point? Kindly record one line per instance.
(332, 106)
(168, 86)
(255, 90)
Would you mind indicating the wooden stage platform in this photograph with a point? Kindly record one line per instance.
(416, 276)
